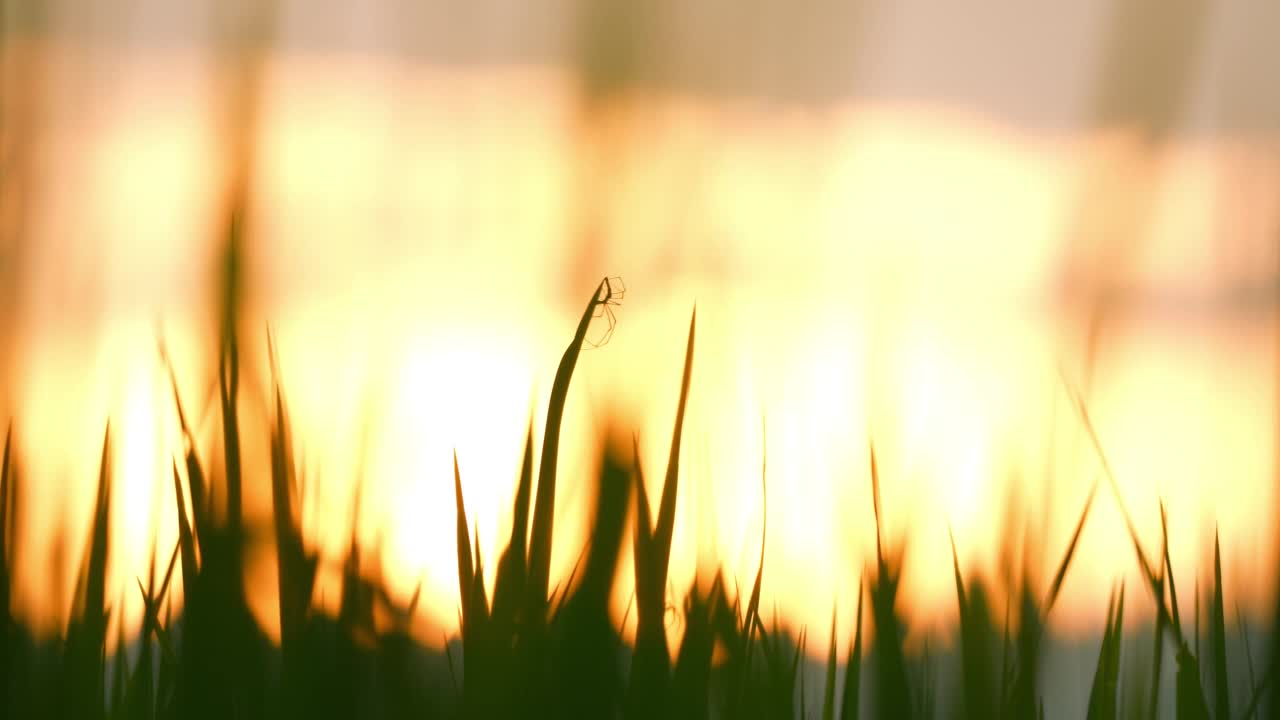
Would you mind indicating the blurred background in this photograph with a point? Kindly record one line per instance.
(910, 222)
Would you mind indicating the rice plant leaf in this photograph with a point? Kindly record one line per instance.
(979, 698)
(853, 668)
(892, 688)
(85, 644)
(651, 661)
(667, 508)
(512, 566)
(195, 474)
(185, 539)
(466, 571)
(1148, 569)
(1174, 614)
(7, 514)
(229, 372)
(829, 689)
(1157, 660)
(544, 500)
(1099, 706)
(751, 620)
(1243, 628)
(119, 669)
(691, 679)
(1058, 577)
(1221, 679)
(795, 669)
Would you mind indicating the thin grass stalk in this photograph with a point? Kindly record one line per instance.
(544, 500)
(849, 702)
(1221, 679)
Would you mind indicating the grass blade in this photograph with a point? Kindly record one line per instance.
(544, 500)
(849, 702)
(466, 571)
(1221, 680)
(651, 661)
(1056, 586)
(892, 688)
(829, 689)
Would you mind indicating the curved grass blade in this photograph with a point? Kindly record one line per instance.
(544, 499)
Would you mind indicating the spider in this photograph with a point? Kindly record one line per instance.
(612, 291)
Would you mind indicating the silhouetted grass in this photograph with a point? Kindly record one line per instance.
(527, 648)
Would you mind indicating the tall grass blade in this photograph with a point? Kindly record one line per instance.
(1104, 696)
(1188, 690)
(849, 701)
(829, 688)
(1243, 628)
(892, 688)
(186, 540)
(8, 550)
(585, 679)
(650, 661)
(83, 679)
(979, 697)
(691, 679)
(544, 500)
(1058, 577)
(745, 639)
(466, 571)
(229, 370)
(1221, 679)
(508, 588)
(195, 474)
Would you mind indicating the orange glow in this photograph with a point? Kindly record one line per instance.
(872, 272)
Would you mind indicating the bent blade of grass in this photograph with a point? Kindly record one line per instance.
(544, 500)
